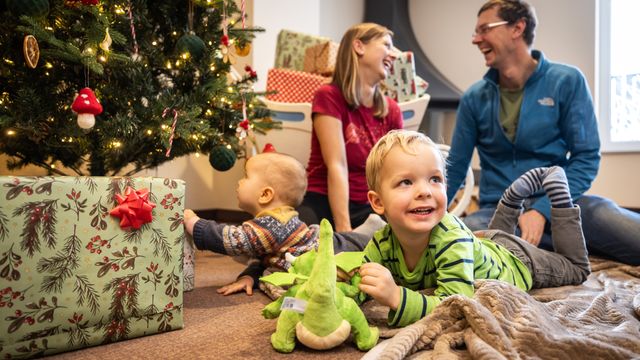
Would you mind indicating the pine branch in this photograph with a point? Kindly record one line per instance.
(37, 213)
(87, 294)
(61, 265)
(161, 245)
(3, 226)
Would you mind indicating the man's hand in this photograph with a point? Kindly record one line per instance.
(379, 284)
(532, 226)
(243, 283)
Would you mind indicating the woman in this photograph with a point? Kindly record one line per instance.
(349, 116)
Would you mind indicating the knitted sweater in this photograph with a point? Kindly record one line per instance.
(268, 236)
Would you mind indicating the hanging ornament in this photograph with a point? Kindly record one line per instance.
(173, 129)
(242, 49)
(191, 44)
(222, 158)
(227, 57)
(243, 13)
(253, 75)
(87, 107)
(31, 51)
(242, 129)
(32, 8)
(135, 56)
(89, 2)
(105, 45)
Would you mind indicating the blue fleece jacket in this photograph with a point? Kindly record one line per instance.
(557, 126)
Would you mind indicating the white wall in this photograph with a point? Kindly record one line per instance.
(329, 18)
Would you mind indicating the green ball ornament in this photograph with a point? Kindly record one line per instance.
(222, 158)
(191, 44)
(32, 8)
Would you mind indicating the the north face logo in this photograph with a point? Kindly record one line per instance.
(546, 101)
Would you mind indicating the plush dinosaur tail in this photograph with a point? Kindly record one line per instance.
(322, 318)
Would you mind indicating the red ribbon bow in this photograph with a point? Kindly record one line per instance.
(134, 208)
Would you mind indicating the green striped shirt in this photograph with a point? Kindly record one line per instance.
(450, 264)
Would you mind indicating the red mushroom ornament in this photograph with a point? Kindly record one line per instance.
(87, 107)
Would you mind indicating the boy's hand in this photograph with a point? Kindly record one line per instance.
(243, 283)
(379, 284)
(190, 219)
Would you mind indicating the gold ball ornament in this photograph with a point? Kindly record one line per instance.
(243, 50)
(31, 51)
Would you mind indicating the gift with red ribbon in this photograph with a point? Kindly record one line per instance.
(134, 208)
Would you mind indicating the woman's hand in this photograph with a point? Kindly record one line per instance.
(379, 284)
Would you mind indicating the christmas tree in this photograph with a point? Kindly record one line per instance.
(113, 87)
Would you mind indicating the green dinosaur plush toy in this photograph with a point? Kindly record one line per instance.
(317, 312)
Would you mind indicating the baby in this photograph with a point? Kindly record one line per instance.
(273, 185)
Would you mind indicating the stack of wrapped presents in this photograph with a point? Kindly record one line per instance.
(305, 62)
(90, 260)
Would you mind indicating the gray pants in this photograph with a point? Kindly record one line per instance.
(568, 265)
(349, 241)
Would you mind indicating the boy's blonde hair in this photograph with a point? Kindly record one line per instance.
(286, 175)
(346, 75)
(408, 140)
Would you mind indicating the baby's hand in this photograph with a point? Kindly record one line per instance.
(190, 219)
(243, 283)
(378, 282)
(188, 214)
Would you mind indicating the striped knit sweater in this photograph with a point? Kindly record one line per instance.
(268, 236)
(450, 264)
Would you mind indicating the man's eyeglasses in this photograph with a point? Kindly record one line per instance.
(483, 29)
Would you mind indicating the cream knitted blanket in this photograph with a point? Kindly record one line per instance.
(599, 319)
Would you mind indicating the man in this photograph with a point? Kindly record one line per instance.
(530, 112)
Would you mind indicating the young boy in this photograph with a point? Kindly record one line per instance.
(423, 246)
(273, 185)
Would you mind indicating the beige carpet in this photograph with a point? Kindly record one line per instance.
(216, 326)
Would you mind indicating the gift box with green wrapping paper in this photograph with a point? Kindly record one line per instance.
(291, 46)
(402, 84)
(86, 261)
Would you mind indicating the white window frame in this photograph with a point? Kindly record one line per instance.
(603, 94)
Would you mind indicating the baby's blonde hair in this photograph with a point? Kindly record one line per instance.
(286, 175)
(408, 140)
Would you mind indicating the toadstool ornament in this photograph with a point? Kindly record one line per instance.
(87, 107)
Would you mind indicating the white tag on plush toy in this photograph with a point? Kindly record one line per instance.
(293, 304)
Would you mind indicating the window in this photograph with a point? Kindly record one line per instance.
(619, 75)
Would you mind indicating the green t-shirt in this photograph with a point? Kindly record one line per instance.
(510, 103)
(454, 259)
